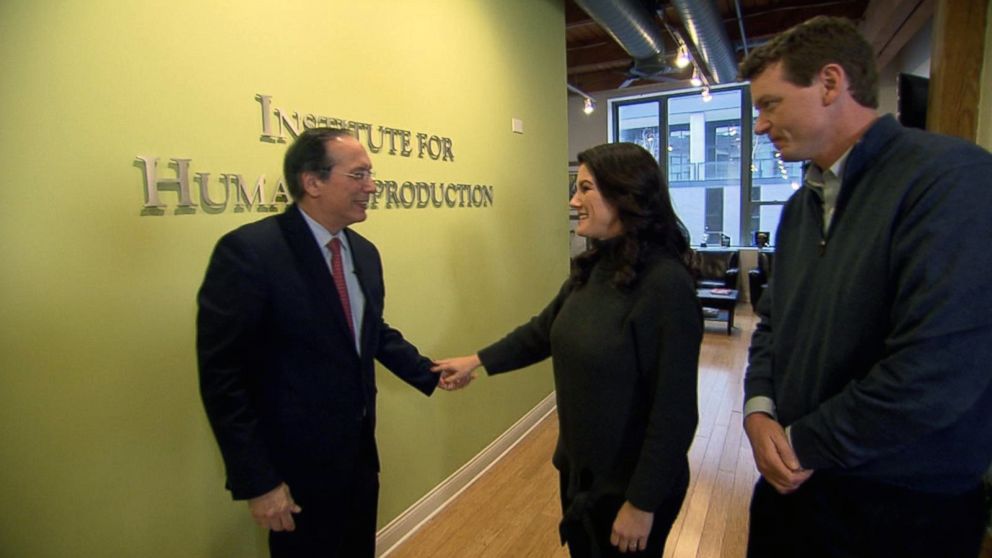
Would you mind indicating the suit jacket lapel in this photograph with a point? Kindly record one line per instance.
(314, 270)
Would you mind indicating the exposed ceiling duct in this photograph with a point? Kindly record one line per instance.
(706, 31)
(632, 26)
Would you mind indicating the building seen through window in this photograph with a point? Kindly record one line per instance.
(726, 184)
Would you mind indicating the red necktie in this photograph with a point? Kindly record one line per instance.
(337, 271)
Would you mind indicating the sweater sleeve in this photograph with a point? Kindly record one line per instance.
(759, 386)
(527, 344)
(759, 390)
(668, 330)
(935, 367)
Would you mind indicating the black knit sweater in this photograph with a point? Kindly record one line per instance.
(625, 365)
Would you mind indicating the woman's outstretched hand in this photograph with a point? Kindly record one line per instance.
(456, 372)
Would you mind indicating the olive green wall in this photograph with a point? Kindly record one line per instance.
(104, 447)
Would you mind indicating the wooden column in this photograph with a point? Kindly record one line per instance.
(956, 67)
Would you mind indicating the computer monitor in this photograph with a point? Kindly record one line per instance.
(913, 92)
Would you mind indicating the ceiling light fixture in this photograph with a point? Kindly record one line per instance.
(695, 80)
(589, 105)
(706, 95)
(682, 60)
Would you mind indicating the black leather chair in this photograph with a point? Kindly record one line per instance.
(716, 269)
(757, 278)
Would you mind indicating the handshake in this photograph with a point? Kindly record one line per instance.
(456, 372)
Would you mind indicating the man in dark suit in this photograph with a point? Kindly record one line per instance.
(290, 320)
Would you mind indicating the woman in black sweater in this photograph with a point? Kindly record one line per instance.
(623, 334)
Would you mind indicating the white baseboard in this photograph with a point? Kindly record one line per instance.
(408, 522)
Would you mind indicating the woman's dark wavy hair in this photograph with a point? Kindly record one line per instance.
(630, 179)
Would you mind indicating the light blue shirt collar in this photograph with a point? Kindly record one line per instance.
(324, 236)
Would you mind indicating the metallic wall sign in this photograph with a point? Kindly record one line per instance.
(230, 191)
(400, 142)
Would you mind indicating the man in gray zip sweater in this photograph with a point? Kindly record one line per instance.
(868, 394)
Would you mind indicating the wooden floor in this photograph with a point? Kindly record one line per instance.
(513, 510)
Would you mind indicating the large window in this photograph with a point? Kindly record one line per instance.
(640, 126)
(679, 166)
(708, 198)
(725, 183)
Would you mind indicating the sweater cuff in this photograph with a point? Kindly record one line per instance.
(489, 357)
